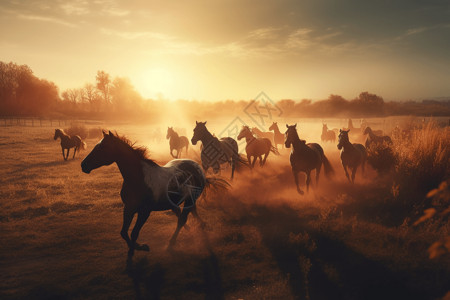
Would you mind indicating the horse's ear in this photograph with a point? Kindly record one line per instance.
(348, 130)
(205, 122)
(110, 133)
(295, 126)
(196, 123)
(104, 133)
(287, 126)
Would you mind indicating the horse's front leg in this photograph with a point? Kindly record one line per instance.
(346, 173)
(143, 214)
(63, 153)
(354, 173)
(67, 156)
(265, 158)
(308, 180)
(128, 215)
(74, 151)
(254, 161)
(317, 174)
(295, 173)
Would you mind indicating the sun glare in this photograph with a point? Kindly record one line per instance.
(156, 83)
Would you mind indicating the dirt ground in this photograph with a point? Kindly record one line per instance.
(60, 234)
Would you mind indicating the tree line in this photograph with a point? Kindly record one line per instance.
(24, 94)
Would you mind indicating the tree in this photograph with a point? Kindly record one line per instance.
(103, 85)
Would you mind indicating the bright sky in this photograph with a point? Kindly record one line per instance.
(233, 49)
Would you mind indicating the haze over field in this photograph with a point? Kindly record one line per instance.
(234, 49)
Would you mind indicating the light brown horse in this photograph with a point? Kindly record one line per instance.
(264, 134)
(256, 147)
(372, 138)
(278, 135)
(68, 142)
(327, 135)
(176, 142)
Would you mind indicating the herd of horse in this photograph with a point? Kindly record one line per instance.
(148, 186)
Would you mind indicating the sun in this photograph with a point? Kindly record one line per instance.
(155, 83)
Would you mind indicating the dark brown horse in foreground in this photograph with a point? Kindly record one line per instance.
(148, 186)
(256, 147)
(176, 142)
(305, 158)
(68, 142)
(352, 155)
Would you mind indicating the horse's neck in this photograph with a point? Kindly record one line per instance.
(249, 137)
(129, 165)
(372, 135)
(276, 130)
(347, 145)
(298, 145)
(207, 137)
(174, 135)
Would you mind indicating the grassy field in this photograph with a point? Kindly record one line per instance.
(60, 232)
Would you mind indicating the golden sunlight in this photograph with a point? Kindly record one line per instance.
(156, 83)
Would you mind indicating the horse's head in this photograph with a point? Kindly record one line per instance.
(169, 132)
(342, 138)
(324, 126)
(367, 130)
(103, 154)
(291, 135)
(245, 132)
(57, 132)
(199, 132)
(273, 126)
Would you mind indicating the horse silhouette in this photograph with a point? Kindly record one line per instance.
(216, 152)
(68, 142)
(352, 155)
(305, 158)
(327, 135)
(148, 186)
(278, 136)
(176, 142)
(256, 147)
(373, 139)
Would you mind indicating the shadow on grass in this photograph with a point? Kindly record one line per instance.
(318, 266)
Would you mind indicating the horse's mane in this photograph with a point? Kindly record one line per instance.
(140, 151)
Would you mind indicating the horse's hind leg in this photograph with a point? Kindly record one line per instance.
(346, 172)
(63, 153)
(67, 156)
(265, 158)
(74, 151)
(181, 221)
(143, 214)
(308, 180)
(317, 174)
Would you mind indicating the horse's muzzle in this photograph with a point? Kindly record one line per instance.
(193, 142)
(339, 147)
(85, 168)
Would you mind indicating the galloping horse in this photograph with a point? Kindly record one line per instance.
(214, 151)
(176, 142)
(327, 135)
(68, 142)
(256, 147)
(352, 155)
(261, 134)
(305, 157)
(278, 136)
(372, 138)
(148, 186)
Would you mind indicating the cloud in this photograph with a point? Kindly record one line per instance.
(46, 19)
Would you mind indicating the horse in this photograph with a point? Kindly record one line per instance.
(216, 152)
(176, 142)
(278, 136)
(256, 147)
(261, 134)
(327, 135)
(305, 157)
(148, 186)
(352, 155)
(374, 139)
(68, 142)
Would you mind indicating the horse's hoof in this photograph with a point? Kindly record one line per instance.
(301, 192)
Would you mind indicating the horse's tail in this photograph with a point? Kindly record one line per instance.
(329, 171)
(274, 150)
(83, 145)
(215, 183)
(241, 161)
